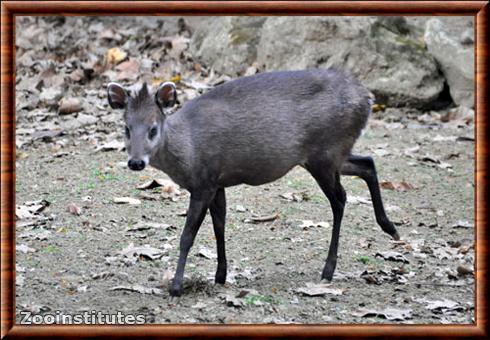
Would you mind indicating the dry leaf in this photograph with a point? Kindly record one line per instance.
(295, 196)
(141, 226)
(74, 209)
(358, 200)
(24, 249)
(128, 70)
(115, 55)
(140, 289)
(440, 306)
(168, 186)
(313, 289)
(69, 105)
(463, 224)
(146, 251)
(392, 256)
(112, 145)
(260, 219)
(30, 209)
(387, 313)
(306, 224)
(126, 200)
(207, 253)
(462, 271)
(396, 185)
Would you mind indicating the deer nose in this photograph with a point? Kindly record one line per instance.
(136, 164)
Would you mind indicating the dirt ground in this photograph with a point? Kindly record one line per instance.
(73, 262)
(78, 250)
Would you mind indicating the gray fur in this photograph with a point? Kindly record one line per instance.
(253, 130)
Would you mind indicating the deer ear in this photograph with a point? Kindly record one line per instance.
(166, 95)
(117, 96)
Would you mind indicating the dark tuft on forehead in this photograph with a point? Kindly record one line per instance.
(140, 98)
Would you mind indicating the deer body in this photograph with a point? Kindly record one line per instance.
(252, 130)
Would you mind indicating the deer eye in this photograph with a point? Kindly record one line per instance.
(127, 133)
(153, 133)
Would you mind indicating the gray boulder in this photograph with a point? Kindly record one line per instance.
(388, 54)
(393, 64)
(451, 42)
(227, 44)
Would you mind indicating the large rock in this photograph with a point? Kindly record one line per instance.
(387, 54)
(393, 64)
(227, 44)
(451, 43)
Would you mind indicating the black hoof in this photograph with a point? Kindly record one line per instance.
(175, 291)
(395, 236)
(220, 278)
(327, 273)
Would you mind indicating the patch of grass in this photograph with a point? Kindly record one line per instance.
(90, 185)
(318, 199)
(364, 259)
(296, 183)
(251, 300)
(50, 249)
(102, 177)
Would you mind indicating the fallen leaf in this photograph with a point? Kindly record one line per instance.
(306, 224)
(295, 196)
(30, 209)
(439, 138)
(139, 289)
(462, 271)
(128, 70)
(115, 55)
(112, 145)
(102, 275)
(440, 306)
(69, 105)
(146, 251)
(74, 209)
(127, 200)
(24, 249)
(463, 224)
(240, 208)
(259, 219)
(396, 185)
(232, 301)
(387, 313)
(392, 256)
(319, 289)
(378, 107)
(207, 253)
(141, 226)
(167, 186)
(358, 200)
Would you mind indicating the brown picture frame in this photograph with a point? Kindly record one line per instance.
(11, 9)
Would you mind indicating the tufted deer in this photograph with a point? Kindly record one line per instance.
(252, 130)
